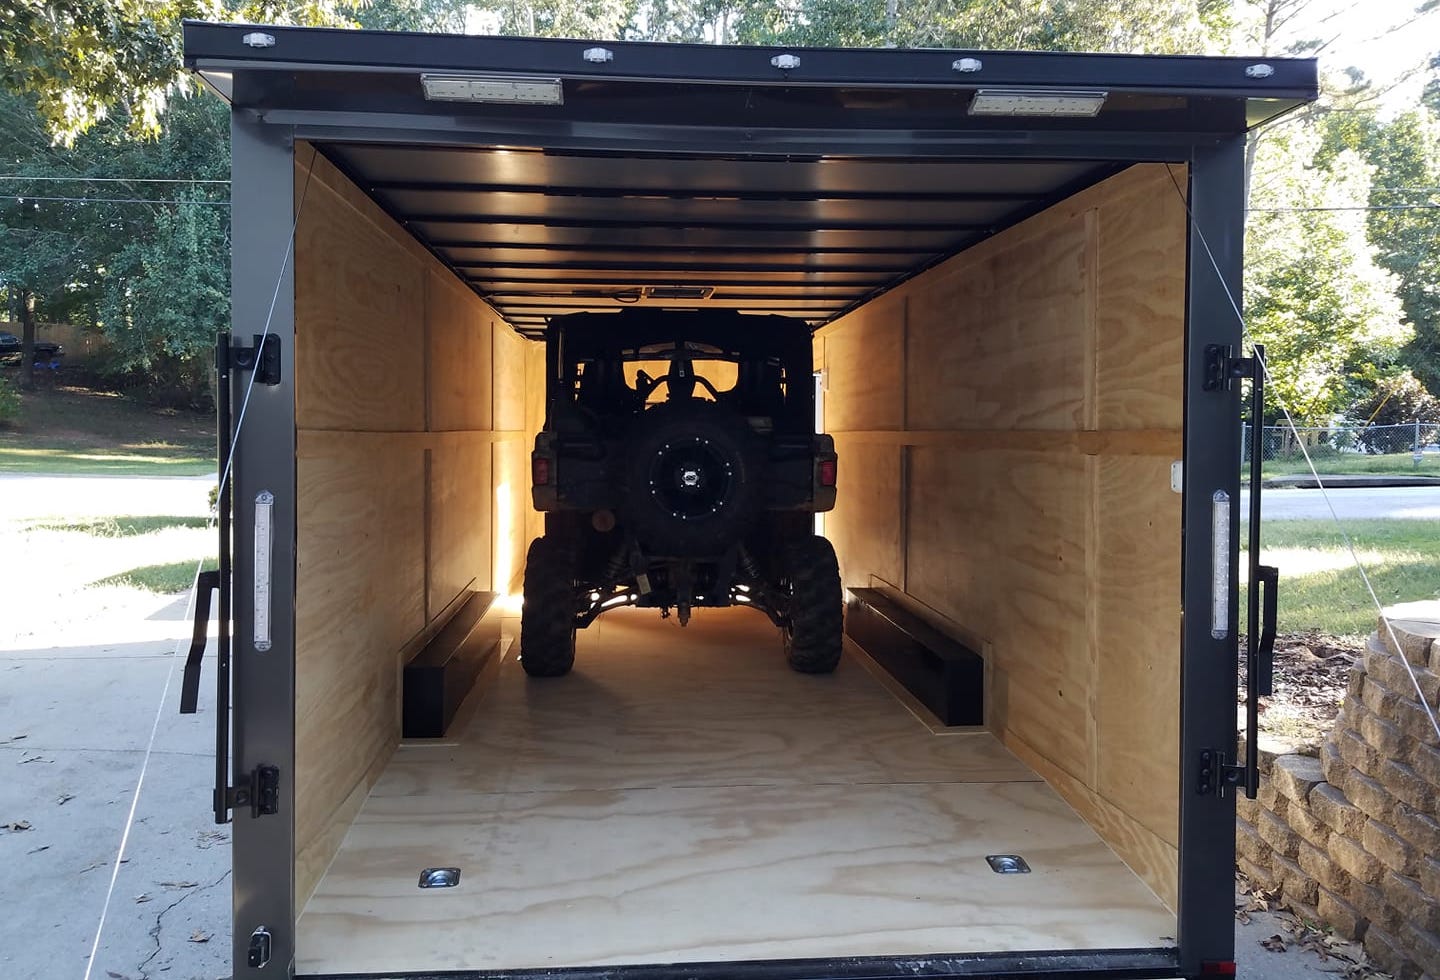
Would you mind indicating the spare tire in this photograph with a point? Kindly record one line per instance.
(692, 475)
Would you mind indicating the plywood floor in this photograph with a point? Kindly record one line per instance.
(684, 797)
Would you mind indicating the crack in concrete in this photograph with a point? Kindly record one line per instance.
(155, 930)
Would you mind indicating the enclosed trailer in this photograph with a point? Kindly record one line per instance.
(1021, 270)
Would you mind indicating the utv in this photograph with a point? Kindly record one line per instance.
(679, 467)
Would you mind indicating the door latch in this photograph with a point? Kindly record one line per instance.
(258, 953)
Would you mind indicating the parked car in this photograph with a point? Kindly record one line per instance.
(46, 353)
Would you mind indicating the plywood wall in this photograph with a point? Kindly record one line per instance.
(411, 410)
(1008, 420)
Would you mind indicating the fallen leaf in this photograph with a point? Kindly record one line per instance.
(97, 864)
(15, 825)
(199, 936)
(141, 898)
(179, 884)
(1275, 944)
(37, 850)
(14, 738)
(64, 798)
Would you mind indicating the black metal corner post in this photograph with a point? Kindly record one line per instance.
(1209, 662)
(262, 193)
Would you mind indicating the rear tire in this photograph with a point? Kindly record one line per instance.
(547, 620)
(813, 638)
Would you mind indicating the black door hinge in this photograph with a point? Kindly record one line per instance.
(261, 794)
(1216, 775)
(262, 357)
(1223, 368)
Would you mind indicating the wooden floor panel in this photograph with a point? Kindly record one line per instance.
(684, 797)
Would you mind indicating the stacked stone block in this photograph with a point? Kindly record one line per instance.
(1352, 839)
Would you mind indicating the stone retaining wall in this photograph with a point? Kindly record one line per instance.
(1351, 839)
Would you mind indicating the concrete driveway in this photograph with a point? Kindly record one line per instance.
(82, 671)
(77, 718)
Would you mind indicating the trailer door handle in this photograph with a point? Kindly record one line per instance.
(1264, 660)
(205, 583)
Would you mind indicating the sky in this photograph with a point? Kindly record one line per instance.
(1372, 35)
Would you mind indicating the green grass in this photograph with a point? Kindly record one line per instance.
(121, 527)
(79, 431)
(176, 576)
(1345, 463)
(1320, 589)
(99, 461)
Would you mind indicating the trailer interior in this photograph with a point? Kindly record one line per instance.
(1006, 307)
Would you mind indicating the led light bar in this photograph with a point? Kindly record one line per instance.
(1036, 102)
(506, 89)
(678, 292)
(1220, 565)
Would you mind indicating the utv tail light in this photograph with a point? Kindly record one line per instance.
(540, 470)
(827, 472)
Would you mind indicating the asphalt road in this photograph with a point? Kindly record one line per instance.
(1352, 504)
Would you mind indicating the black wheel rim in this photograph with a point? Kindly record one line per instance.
(690, 478)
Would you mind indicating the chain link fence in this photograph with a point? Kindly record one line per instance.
(1408, 448)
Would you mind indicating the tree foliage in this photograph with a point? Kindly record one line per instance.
(1326, 310)
(81, 60)
(124, 235)
(1405, 227)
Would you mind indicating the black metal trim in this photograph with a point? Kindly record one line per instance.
(208, 44)
(1208, 666)
(445, 218)
(224, 504)
(776, 144)
(1114, 964)
(685, 247)
(695, 267)
(263, 292)
(205, 583)
(701, 194)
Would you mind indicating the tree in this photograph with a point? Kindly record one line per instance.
(81, 60)
(1327, 312)
(126, 235)
(1157, 26)
(1405, 227)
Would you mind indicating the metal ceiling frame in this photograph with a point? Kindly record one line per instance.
(643, 104)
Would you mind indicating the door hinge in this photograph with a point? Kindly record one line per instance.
(261, 794)
(1216, 774)
(1223, 368)
(262, 357)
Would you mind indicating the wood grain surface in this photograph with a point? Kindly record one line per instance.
(684, 797)
(408, 492)
(1016, 486)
